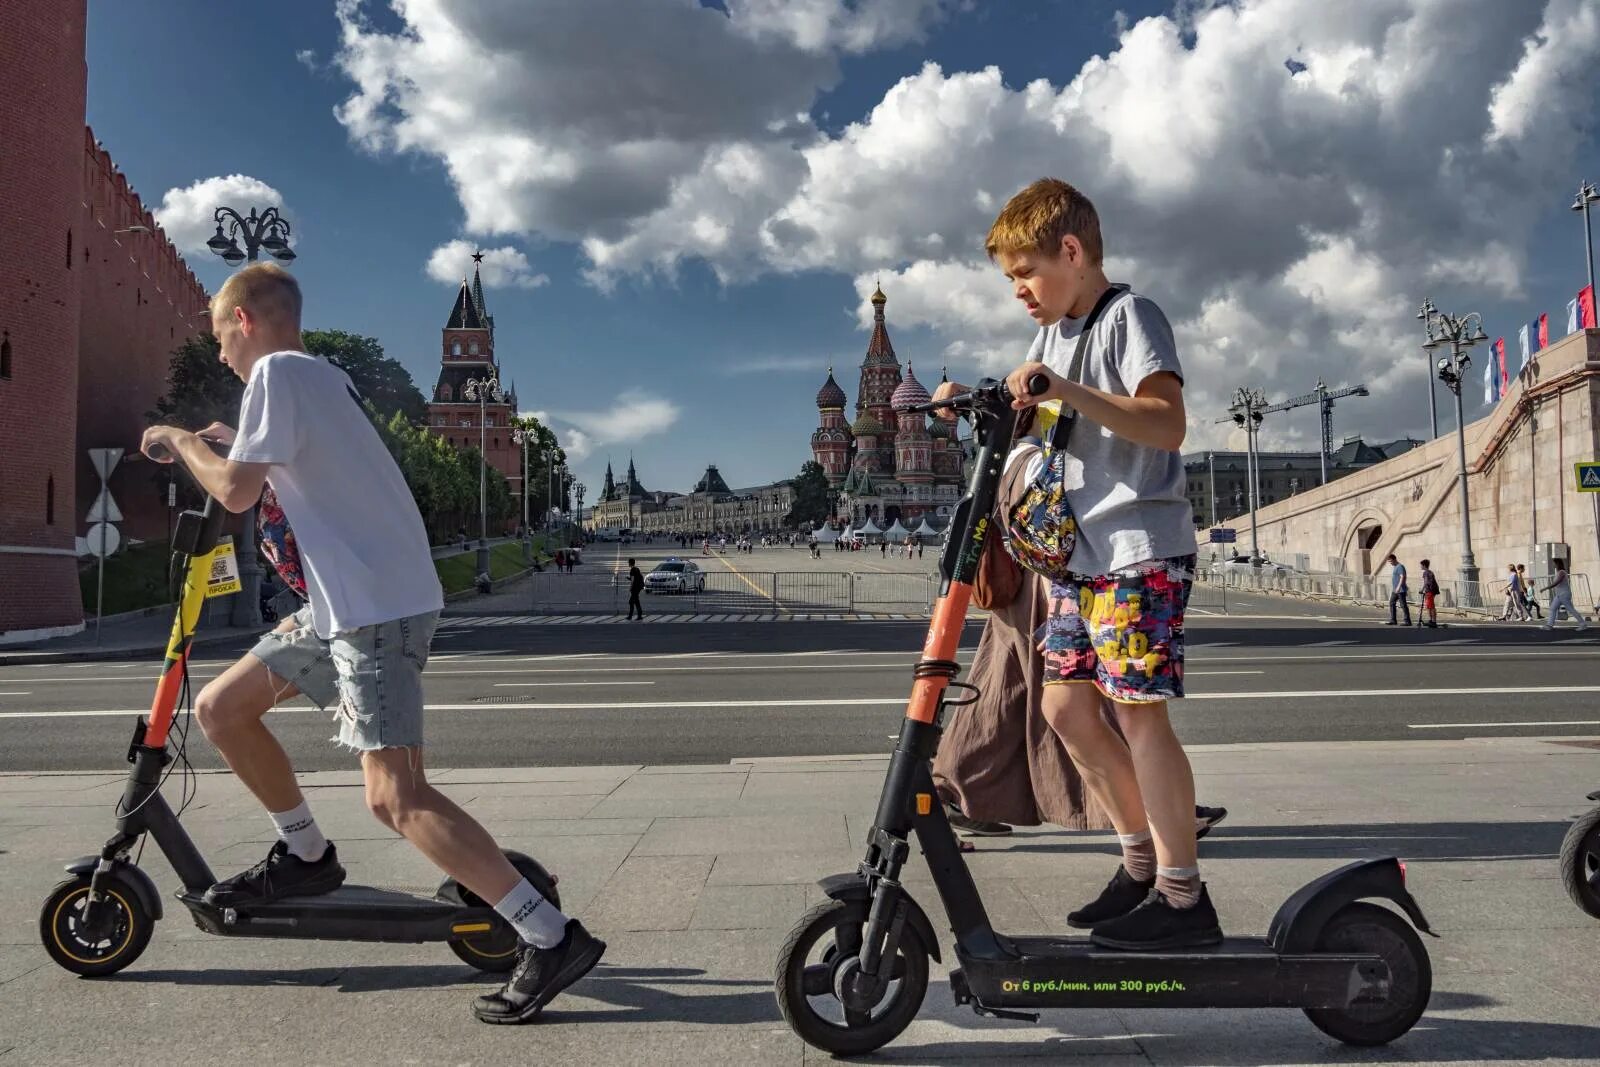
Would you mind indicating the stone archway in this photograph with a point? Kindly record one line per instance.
(1361, 536)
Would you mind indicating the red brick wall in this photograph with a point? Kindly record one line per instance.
(42, 85)
(139, 302)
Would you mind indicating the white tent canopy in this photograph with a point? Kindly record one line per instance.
(925, 529)
(869, 530)
(849, 534)
(896, 532)
(825, 534)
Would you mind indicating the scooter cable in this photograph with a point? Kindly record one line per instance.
(186, 796)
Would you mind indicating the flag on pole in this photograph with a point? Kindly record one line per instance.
(1500, 362)
(1491, 383)
(1586, 307)
(1522, 346)
(1572, 316)
(1543, 333)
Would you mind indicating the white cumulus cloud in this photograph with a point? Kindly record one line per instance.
(633, 415)
(500, 267)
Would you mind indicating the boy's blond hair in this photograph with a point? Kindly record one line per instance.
(1036, 219)
(265, 290)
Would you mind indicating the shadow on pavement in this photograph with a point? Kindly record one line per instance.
(1437, 841)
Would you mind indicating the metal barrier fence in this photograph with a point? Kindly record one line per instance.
(1479, 598)
(745, 592)
(769, 593)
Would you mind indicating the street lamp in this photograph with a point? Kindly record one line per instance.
(578, 491)
(1427, 353)
(485, 391)
(271, 231)
(1460, 334)
(522, 435)
(1246, 411)
(1587, 194)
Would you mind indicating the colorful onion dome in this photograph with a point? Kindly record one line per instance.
(830, 395)
(908, 393)
(866, 424)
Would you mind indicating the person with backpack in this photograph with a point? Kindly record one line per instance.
(1529, 601)
(635, 587)
(1430, 591)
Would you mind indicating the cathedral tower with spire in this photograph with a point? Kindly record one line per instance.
(466, 353)
(888, 464)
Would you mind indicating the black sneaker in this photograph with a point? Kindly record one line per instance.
(540, 974)
(1121, 895)
(974, 827)
(1207, 818)
(281, 874)
(1156, 926)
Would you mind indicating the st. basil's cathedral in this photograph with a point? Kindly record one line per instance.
(887, 464)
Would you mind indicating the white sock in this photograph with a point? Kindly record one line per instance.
(536, 920)
(299, 831)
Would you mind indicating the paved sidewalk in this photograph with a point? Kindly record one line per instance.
(694, 874)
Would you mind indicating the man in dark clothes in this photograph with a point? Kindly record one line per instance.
(635, 587)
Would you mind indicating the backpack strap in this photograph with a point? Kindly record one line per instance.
(1063, 427)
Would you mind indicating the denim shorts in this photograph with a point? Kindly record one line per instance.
(371, 675)
(1123, 631)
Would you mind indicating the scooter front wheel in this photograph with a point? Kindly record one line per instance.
(1580, 862)
(116, 938)
(826, 939)
(1370, 929)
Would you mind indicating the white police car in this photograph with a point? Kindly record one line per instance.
(675, 576)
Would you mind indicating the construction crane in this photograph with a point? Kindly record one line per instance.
(1323, 397)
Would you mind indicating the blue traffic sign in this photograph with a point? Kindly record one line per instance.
(1588, 475)
(1224, 535)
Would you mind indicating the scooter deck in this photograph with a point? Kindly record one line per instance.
(1070, 972)
(349, 913)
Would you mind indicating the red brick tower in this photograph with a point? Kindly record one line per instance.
(43, 79)
(467, 352)
(913, 446)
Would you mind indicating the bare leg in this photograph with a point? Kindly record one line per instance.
(1165, 780)
(229, 710)
(1073, 711)
(400, 796)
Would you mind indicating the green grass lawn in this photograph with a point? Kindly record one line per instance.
(137, 577)
(456, 572)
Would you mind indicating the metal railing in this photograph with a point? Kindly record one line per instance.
(1484, 599)
(744, 592)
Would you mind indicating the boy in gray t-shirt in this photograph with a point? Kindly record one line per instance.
(1116, 625)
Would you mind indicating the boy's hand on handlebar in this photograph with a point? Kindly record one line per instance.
(160, 443)
(220, 432)
(1017, 384)
(945, 391)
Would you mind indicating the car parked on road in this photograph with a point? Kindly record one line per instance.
(1239, 563)
(675, 576)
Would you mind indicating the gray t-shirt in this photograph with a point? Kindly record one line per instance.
(1131, 507)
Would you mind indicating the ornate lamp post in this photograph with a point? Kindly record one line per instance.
(522, 435)
(268, 230)
(578, 490)
(485, 391)
(1460, 334)
(1246, 411)
(1587, 194)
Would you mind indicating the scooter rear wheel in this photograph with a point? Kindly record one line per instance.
(1368, 928)
(827, 938)
(1580, 862)
(496, 951)
(122, 932)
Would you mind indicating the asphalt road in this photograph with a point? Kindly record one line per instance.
(617, 693)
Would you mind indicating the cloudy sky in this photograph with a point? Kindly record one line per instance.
(685, 203)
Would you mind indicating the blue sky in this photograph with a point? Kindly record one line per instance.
(691, 204)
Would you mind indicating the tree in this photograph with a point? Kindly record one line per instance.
(810, 497)
(201, 389)
(379, 379)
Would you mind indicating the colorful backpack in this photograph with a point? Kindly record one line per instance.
(1042, 529)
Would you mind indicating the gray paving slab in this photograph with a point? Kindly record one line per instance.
(695, 874)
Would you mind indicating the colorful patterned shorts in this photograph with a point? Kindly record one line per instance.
(1122, 631)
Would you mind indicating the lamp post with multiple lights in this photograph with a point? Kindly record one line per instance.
(1459, 333)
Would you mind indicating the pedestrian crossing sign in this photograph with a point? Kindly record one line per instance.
(1588, 477)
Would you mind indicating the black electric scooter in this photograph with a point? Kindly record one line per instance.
(852, 974)
(1580, 860)
(100, 920)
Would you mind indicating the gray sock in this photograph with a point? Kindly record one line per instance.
(1138, 855)
(1180, 885)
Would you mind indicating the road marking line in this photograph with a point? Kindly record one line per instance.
(562, 685)
(1486, 725)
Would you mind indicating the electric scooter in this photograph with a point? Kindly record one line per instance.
(1580, 860)
(100, 919)
(853, 972)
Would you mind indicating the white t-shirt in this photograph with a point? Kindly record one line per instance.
(362, 544)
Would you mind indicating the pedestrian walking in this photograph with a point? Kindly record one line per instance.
(1430, 590)
(1399, 591)
(1515, 602)
(1529, 601)
(1560, 590)
(635, 587)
